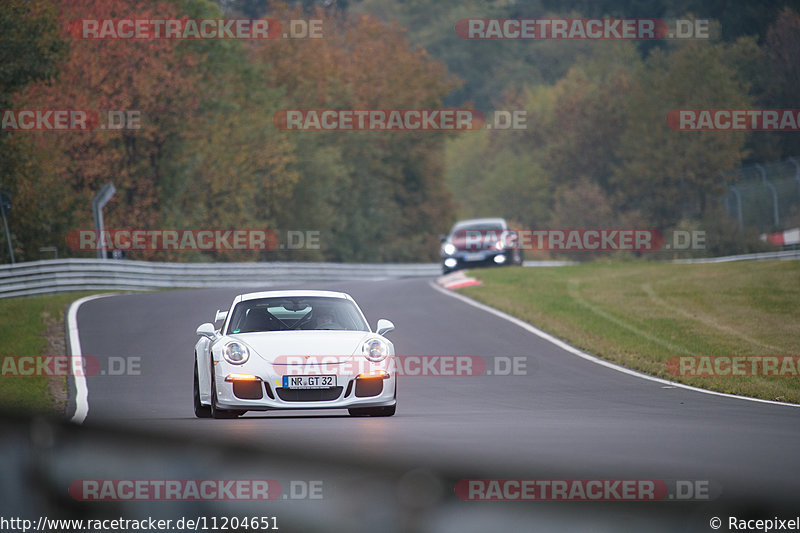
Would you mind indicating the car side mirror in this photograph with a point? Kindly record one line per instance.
(442, 238)
(207, 330)
(384, 326)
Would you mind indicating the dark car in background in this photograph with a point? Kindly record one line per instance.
(479, 242)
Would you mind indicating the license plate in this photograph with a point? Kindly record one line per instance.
(473, 257)
(309, 382)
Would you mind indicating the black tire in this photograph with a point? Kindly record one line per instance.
(373, 411)
(215, 411)
(200, 410)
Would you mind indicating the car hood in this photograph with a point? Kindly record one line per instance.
(274, 344)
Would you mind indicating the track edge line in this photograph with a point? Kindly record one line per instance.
(76, 363)
(593, 358)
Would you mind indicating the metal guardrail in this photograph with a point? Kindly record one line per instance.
(64, 275)
(762, 256)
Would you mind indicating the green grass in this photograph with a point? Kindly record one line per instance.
(642, 314)
(23, 326)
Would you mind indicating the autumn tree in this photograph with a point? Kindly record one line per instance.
(230, 168)
(153, 78)
(375, 196)
(202, 157)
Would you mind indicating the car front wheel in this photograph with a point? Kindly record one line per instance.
(217, 412)
(200, 410)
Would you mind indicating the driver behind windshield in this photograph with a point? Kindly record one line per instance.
(325, 320)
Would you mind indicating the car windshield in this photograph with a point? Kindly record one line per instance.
(479, 227)
(296, 313)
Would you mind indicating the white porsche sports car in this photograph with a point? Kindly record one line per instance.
(294, 350)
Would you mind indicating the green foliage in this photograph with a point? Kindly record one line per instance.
(31, 50)
(489, 173)
(30, 46)
(671, 174)
(598, 140)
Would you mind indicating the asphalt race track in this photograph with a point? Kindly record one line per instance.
(566, 418)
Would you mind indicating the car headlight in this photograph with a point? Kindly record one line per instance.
(375, 350)
(236, 353)
(449, 248)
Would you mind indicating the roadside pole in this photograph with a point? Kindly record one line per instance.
(98, 202)
(5, 206)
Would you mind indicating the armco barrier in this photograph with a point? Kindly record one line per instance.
(761, 256)
(63, 275)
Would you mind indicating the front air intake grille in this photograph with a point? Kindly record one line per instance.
(308, 395)
(247, 390)
(369, 387)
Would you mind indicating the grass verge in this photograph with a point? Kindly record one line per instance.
(33, 326)
(642, 314)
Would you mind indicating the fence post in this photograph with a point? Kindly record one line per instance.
(796, 173)
(775, 216)
(732, 188)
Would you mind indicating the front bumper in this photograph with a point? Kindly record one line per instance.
(486, 258)
(266, 393)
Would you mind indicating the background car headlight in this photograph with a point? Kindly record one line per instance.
(449, 248)
(236, 353)
(375, 350)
